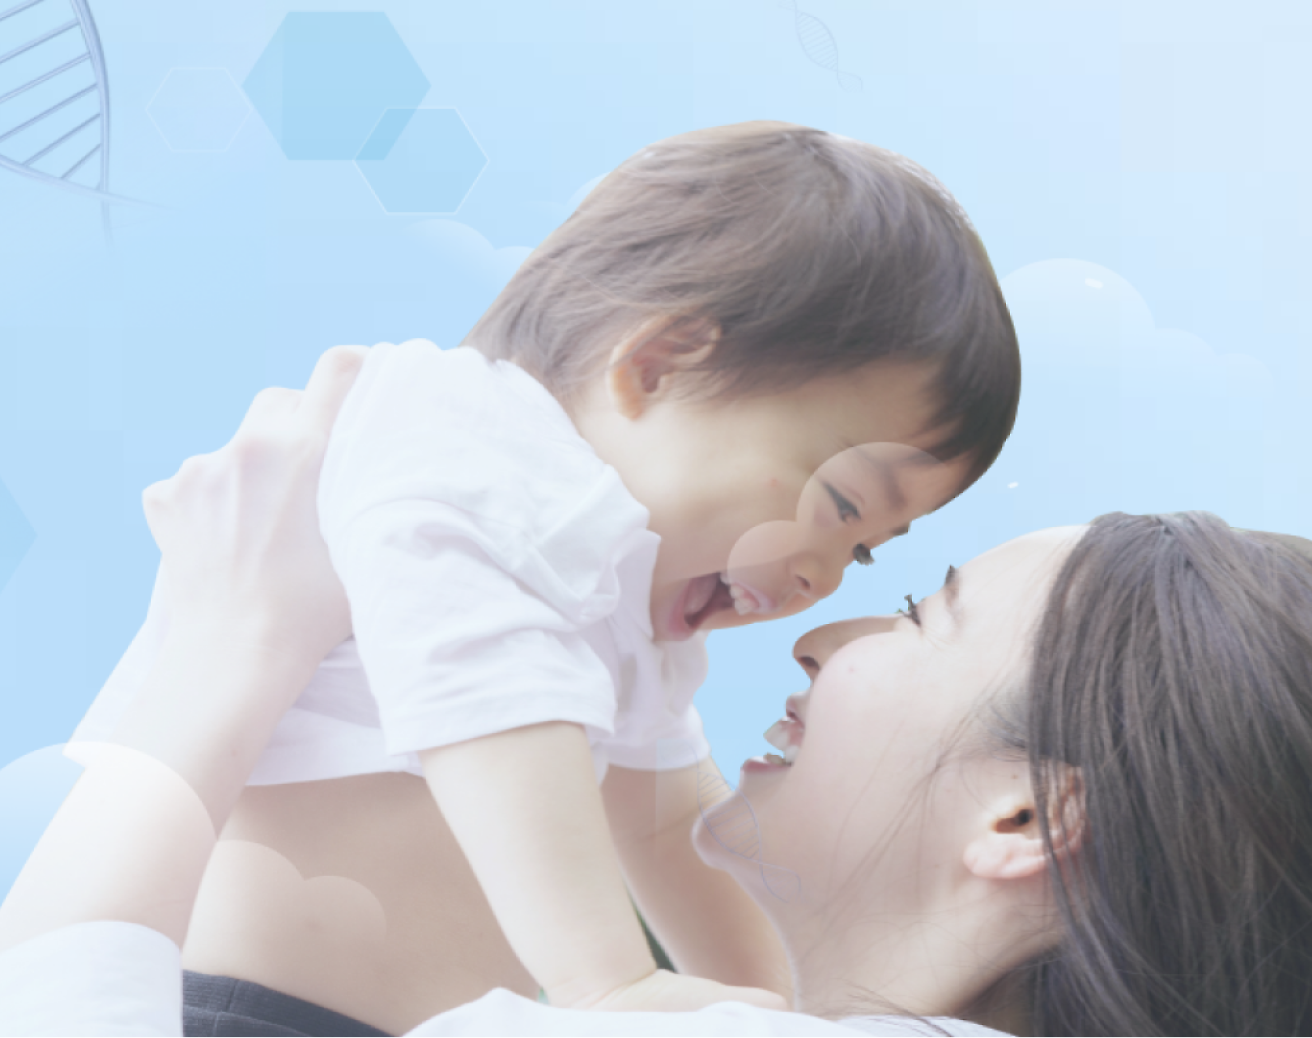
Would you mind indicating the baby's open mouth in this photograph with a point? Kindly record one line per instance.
(706, 595)
(715, 591)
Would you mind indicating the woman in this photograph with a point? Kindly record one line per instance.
(1067, 794)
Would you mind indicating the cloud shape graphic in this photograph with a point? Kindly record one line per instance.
(578, 196)
(1081, 314)
(343, 914)
(458, 247)
(1118, 414)
(31, 790)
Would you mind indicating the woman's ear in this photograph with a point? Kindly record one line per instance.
(641, 364)
(1011, 844)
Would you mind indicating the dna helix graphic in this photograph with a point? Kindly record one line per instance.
(54, 94)
(819, 45)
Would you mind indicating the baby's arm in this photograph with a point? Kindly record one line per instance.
(704, 920)
(443, 512)
(525, 808)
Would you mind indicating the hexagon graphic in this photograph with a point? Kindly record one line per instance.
(16, 535)
(326, 78)
(198, 109)
(421, 160)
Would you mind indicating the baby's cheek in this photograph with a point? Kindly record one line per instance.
(796, 604)
(760, 560)
(763, 547)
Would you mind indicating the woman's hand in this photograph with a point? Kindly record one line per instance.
(238, 529)
(254, 606)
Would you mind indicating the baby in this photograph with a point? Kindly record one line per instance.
(752, 355)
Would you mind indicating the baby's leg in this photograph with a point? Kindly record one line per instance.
(351, 894)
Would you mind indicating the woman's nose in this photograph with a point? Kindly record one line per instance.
(813, 649)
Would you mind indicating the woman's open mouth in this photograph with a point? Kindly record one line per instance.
(785, 735)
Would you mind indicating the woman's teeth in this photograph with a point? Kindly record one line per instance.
(780, 735)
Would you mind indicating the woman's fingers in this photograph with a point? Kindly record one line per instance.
(158, 498)
(329, 383)
(271, 409)
(278, 419)
(154, 499)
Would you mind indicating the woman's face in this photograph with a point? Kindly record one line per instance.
(854, 821)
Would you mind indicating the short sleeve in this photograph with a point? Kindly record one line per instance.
(455, 648)
(477, 536)
(103, 978)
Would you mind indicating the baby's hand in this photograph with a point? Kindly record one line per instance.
(666, 992)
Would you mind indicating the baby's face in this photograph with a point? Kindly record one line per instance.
(761, 504)
(856, 500)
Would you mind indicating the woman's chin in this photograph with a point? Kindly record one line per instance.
(708, 848)
(727, 834)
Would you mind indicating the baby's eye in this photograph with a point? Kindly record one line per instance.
(862, 555)
(846, 510)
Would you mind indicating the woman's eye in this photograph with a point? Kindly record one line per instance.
(846, 510)
(911, 611)
(861, 554)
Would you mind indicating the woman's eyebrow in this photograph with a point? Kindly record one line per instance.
(952, 585)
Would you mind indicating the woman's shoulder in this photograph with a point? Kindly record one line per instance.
(501, 1012)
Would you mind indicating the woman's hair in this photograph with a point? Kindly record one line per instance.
(814, 255)
(1173, 668)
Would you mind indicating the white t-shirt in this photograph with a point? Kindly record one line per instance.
(112, 978)
(499, 575)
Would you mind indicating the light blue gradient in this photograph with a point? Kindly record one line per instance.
(199, 109)
(1156, 147)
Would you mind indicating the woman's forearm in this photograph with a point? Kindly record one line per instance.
(257, 607)
(132, 839)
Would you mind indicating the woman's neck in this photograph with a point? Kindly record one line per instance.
(954, 963)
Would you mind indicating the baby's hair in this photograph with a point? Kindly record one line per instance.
(813, 254)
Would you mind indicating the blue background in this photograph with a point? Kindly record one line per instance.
(1140, 171)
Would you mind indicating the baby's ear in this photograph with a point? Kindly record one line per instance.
(641, 363)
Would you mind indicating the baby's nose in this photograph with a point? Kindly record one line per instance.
(814, 576)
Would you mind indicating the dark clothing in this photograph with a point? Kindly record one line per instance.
(223, 1006)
